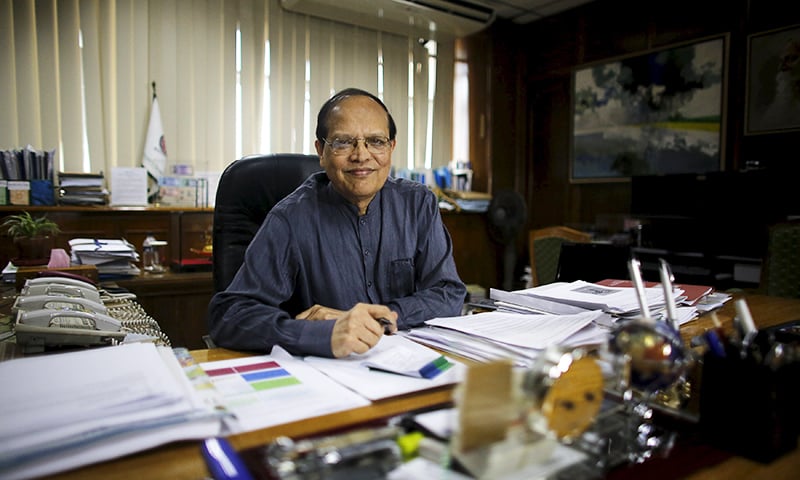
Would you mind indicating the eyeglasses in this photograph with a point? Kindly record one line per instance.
(346, 145)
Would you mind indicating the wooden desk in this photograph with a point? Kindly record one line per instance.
(183, 460)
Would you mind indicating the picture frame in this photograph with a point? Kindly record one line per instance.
(655, 113)
(773, 81)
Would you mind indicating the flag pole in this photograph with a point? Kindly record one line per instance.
(154, 158)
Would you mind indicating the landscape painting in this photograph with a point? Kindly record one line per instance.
(652, 114)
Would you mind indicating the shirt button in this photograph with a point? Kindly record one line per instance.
(366, 252)
(362, 222)
(369, 284)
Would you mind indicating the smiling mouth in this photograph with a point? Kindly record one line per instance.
(361, 172)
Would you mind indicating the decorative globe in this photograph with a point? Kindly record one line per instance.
(655, 350)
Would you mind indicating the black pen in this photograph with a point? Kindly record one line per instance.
(387, 325)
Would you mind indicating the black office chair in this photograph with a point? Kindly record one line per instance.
(247, 191)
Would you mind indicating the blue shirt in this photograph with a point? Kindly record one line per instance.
(314, 248)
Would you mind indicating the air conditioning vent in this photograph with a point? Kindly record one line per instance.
(429, 19)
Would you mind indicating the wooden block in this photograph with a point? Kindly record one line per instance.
(484, 409)
(24, 273)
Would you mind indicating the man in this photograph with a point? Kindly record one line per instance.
(347, 252)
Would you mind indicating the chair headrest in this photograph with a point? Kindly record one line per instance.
(247, 191)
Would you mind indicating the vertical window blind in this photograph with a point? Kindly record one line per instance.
(233, 77)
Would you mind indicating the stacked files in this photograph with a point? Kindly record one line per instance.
(65, 410)
(82, 189)
(521, 337)
(573, 297)
(690, 299)
(113, 257)
(526, 322)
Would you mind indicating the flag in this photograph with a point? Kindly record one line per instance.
(154, 159)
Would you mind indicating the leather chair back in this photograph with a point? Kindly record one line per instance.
(247, 191)
(544, 247)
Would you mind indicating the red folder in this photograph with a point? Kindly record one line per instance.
(693, 293)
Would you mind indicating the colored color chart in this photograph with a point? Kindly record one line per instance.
(263, 391)
(256, 377)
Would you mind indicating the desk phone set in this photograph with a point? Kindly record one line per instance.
(62, 310)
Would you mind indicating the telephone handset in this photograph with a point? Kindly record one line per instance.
(64, 290)
(69, 319)
(57, 302)
(60, 281)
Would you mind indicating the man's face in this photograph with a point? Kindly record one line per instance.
(361, 173)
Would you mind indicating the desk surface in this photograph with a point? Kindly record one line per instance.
(182, 460)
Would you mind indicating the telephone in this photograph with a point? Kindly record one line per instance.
(36, 329)
(57, 302)
(65, 311)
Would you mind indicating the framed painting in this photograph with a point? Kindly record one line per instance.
(773, 81)
(650, 114)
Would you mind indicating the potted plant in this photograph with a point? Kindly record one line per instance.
(34, 237)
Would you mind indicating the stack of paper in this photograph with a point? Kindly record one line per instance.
(615, 297)
(591, 296)
(112, 257)
(521, 337)
(71, 409)
(82, 189)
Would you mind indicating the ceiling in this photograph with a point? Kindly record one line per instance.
(526, 11)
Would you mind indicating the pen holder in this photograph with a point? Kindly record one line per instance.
(748, 408)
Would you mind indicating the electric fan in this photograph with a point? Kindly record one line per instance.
(507, 214)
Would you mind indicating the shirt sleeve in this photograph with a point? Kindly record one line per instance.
(439, 291)
(248, 316)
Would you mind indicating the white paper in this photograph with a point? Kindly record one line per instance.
(354, 373)
(393, 354)
(71, 409)
(519, 329)
(129, 186)
(616, 300)
(472, 347)
(299, 391)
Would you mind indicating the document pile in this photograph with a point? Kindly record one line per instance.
(82, 189)
(572, 297)
(520, 336)
(71, 409)
(702, 297)
(113, 257)
(575, 314)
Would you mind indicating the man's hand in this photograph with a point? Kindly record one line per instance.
(320, 312)
(358, 329)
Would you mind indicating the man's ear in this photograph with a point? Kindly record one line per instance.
(319, 146)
